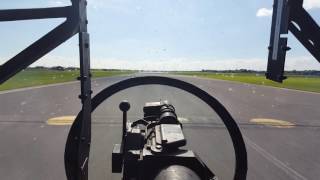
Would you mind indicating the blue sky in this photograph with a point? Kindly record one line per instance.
(163, 34)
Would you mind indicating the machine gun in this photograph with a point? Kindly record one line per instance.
(151, 147)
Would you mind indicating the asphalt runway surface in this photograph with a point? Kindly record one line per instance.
(32, 149)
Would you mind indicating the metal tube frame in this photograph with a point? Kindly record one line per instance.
(75, 23)
(289, 15)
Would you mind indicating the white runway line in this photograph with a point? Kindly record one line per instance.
(291, 172)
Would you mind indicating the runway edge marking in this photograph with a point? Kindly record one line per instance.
(258, 85)
(291, 172)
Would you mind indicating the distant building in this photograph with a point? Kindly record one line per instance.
(58, 68)
(39, 67)
(71, 68)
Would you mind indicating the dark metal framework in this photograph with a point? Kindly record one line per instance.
(75, 23)
(289, 15)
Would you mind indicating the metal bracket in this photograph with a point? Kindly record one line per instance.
(289, 15)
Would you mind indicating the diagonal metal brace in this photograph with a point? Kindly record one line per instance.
(38, 49)
(38, 13)
(304, 28)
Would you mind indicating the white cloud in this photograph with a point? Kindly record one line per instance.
(264, 12)
(292, 63)
(51, 60)
(302, 63)
(311, 4)
(307, 4)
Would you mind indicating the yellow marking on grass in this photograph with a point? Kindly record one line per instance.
(273, 122)
(61, 121)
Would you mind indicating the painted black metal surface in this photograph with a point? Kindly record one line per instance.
(304, 28)
(278, 44)
(289, 15)
(37, 13)
(154, 143)
(85, 96)
(232, 127)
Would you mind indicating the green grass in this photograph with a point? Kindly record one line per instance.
(32, 77)
(305, 83)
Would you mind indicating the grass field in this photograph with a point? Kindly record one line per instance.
(32, 77)
(305, 83)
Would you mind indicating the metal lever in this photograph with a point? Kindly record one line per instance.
(124, 107)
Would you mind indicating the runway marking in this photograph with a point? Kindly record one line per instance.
(273, 122)
(61, 121)
(182, 119)
(291, 172)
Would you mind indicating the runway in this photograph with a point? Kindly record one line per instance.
(32, 149)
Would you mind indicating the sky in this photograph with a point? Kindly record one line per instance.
(163, 35)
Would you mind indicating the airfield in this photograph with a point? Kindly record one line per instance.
(281, 128)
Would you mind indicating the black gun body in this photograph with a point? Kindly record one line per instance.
(152, 149)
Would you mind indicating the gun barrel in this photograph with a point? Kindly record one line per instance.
(177, 172)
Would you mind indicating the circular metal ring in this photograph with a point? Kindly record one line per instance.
(72, 146)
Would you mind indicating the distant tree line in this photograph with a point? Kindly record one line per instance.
(293, 72)
(56, 68)
(61, 68)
